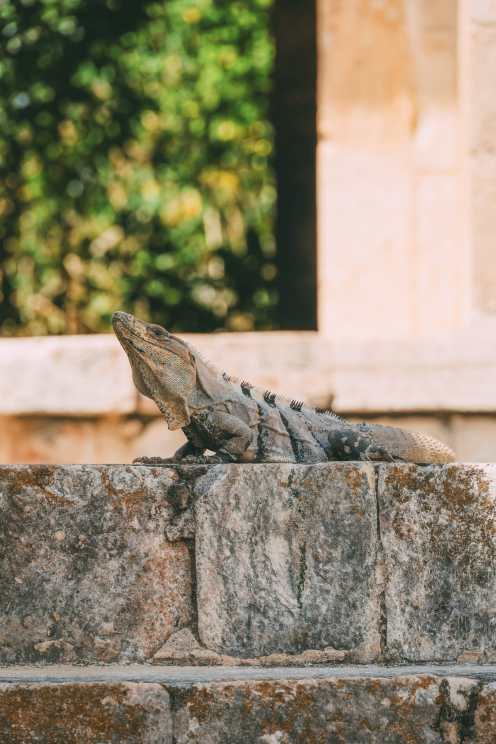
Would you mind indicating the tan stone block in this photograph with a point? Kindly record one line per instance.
(445, 373)
(364, 237)
(366, 86)
(155, 440)
(437, 294)
(481, 11)
(474, 438)
(481, 101)
(483, 228)
(60, 440)
(75, 375)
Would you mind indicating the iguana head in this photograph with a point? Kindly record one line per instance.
(163, 366)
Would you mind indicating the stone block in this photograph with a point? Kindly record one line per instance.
(482, 11)
(448, 373)
(61, 440)
(88, 713)
(75, 375)
(474, 438)
(286, 559)
(377, 186)
(485, 715)
(481, 105)
(86, 572)
(483, 226)
(403, 710)
(155, 440)
(438, 531)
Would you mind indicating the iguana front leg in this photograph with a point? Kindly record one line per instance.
(227, 436)
(224, 434)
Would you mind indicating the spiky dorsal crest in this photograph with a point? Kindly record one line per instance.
(268, 396)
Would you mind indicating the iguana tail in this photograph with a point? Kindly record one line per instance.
(410, 446)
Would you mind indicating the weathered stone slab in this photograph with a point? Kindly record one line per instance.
(438, 529)
(65, 375)
(403, 710)
(100, 705)
(92, 713)
(286, 559)
(485, 715)
(86, 572)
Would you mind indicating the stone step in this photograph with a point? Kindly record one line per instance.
(364, 562)
(141, 704)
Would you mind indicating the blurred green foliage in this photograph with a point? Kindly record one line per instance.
(136, 154)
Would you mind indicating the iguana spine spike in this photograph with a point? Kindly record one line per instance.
(269, 398)
(296, 405)
(246, 388)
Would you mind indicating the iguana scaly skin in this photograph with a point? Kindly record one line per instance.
(241, 423)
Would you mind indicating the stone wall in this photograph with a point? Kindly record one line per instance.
(257, 579)
(135, 707)
(257, 564)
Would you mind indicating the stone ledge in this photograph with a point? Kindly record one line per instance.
(451, 373)
(185, 676)
(90, 375)
(138, 705)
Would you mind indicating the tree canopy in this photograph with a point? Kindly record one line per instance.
(136, 152)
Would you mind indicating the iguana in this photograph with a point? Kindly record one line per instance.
(241, 423)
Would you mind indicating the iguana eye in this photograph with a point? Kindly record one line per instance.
(158, 331)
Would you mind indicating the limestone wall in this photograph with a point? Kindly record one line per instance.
(407, 173)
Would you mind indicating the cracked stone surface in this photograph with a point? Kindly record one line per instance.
(286, 559)
(86, 572)
(438, 528)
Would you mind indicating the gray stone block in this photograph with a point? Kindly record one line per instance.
(86, 573)
(286, 559)
(438, 530)
(403, 710)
